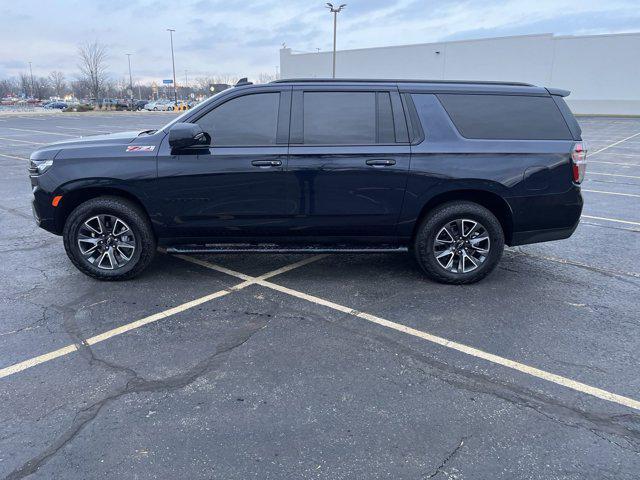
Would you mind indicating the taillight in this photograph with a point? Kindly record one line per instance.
(578, 162)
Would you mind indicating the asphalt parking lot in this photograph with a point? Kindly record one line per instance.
(331, 367)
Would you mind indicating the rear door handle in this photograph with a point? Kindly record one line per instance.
(266, 163)
(381, 162)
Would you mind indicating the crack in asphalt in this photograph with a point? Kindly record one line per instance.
(617, 274)
(30, 326)
(440, 468)
(626, 426)
(137, 384)
(16, 212)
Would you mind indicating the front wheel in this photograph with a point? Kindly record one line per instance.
(109, 238)
(459, 242)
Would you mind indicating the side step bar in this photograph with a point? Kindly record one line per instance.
(270, 248)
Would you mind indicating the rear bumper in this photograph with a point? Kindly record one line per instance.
(546, 217)
(537, 236)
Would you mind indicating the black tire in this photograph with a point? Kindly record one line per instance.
(137, 221)
(443, 215)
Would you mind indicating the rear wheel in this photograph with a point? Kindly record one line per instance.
(109, 238)
(459, 243)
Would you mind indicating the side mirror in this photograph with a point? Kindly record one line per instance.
(185, 135)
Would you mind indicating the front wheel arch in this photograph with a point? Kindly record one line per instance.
(74, 198)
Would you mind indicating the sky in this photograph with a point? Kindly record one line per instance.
(243, 38)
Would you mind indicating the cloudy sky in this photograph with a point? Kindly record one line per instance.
(243, 37)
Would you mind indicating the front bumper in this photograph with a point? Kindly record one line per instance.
(43, 211)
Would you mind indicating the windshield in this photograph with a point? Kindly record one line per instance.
(188, 113)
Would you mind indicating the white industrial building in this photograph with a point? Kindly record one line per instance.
(602, 71)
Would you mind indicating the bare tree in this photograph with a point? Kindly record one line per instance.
(265, 77)
(9, 87)
(80, 88)
(93, 66)
(226, 78)
(26, 87)
(58, 83)
(41, 87)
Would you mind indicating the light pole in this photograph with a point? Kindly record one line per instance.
(186, 85)
(173, 62)
(32, 85)
(130, 81)
(335, 11)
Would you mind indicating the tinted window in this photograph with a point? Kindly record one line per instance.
(508, 117)
(386, 129)
(244, 121)
(334, 118)
(568, 116)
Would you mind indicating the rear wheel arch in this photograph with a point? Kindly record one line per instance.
(73, 199)
(491, 201)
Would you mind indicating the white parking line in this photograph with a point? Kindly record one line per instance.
(614, 175)
(612, 193)
(248, 280)
(42, 131)
(83, 129)
(13, 156)
(614, 144)
(21, 141)
(521, 367)
(626, 222)
(616, 163)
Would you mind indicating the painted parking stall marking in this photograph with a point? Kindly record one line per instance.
(66, 350)
(472, 351)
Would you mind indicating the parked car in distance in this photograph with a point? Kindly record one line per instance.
(56, 105)
(447, 171)
(167, 105)
(139, 104)
(159, 105)
(113, 102)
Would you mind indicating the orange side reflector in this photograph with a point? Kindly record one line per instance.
(56, 200)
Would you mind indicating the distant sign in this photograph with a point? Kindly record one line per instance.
(167, 82)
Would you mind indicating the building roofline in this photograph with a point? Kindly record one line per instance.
(551, 36)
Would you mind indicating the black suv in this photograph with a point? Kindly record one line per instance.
(449, 171)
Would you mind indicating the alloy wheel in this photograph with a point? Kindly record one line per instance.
(462, 245)
(106, 242)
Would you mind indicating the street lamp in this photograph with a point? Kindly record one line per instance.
(130, 80)
(186, 85)
(335, 11)
(173, 62)
(32, 85)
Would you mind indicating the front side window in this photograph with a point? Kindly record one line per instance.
(339, 118)
(249, 120)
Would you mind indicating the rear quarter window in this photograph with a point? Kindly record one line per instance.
(506, 117)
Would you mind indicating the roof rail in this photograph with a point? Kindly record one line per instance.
(396, 80)
(243, 81)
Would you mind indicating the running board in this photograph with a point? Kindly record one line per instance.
(270, 248)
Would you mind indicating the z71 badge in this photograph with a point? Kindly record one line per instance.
(141, 148)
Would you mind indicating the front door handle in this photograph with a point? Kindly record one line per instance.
(266, 163)
(381, 162)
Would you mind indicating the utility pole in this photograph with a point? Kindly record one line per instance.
(335, 11)
(130, 81)
(186, 85)
(32, 84)
(173, 62)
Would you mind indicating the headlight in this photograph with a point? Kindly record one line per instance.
(38, 167)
